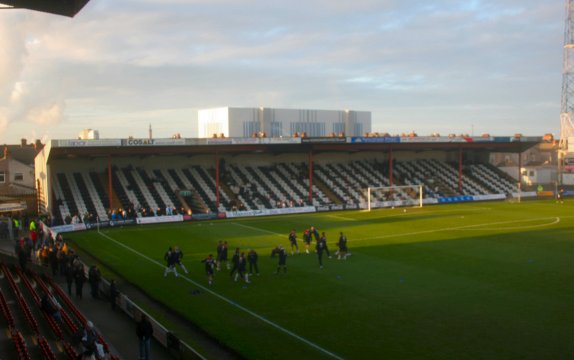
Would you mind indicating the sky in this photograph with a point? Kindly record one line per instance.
(446, 66)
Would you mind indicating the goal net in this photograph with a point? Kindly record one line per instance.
(391, 196)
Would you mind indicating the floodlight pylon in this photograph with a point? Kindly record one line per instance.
(567, 101)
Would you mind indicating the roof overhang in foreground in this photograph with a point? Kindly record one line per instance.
(59, 7)
(72, 149)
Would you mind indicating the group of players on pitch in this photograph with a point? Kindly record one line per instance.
(239, 260)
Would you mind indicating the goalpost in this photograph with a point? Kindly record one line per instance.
(391, 196)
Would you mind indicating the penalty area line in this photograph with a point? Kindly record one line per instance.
(229, 301)
(465, 227)
(256, 229)
(341, 218)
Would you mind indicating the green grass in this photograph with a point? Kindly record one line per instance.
(466, 281)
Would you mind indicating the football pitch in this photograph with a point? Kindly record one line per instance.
(490, 280)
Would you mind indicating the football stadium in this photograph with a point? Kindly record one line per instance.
(287, 234)
(444, 255)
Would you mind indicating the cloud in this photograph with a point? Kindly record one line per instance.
(30, 94)
(419, 65)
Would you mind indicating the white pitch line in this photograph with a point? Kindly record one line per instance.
(556, 221)
(258, 229)
(455, 228)
(231, 302)
(341, 217)
(383, 217)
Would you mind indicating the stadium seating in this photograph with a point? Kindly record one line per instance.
(20, 345)
(204, 179)
(37, 300)
(266, 185)
(93, 201)
(293, 193)
(493, 179)
(61, 203)
(46, 350)
(139, 188)
(77, 197)
(206, 193)
(239, 178)
(166, 189)
(23, 305)
(6, 310)
(289, 170)
(80, 184)
(26, 319)
(147, 185)
(102, 195)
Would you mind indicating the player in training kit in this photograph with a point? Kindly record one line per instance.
(252, 258)
(293, 241)
(280, 250)
(315, 233)
(307, 240)
(170, 259)
(218, 256)
(319, 248)
(235, 261)
(241, 268)
(325, 247)
(209, 266)
(178, 256)
(223, 256)
(342, 253)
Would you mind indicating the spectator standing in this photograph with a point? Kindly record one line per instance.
(69, 276)
(114, 293)
(144, 332)
(53, 258)
(94, 277)
(79, 277)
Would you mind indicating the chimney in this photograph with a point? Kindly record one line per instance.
(24, 142)
(38, 146)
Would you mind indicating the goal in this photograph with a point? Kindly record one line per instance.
(390, 196)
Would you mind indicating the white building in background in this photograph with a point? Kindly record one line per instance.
(244, 122)
(89, 134)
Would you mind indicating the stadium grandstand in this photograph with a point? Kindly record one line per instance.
(84, 181)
